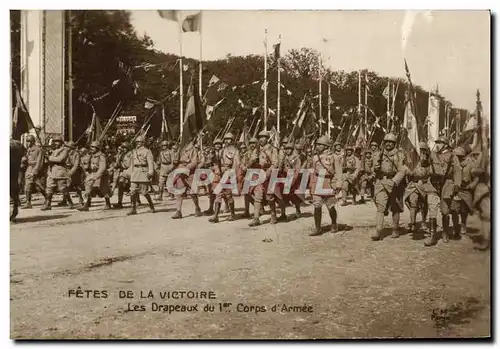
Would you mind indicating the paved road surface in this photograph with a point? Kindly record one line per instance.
(333, 286)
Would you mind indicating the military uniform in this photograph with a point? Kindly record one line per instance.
(249, 159)
(327, 169)
(188, 159)
(390, 171)
(57, 177)
(461, 203)
(75, 173)
(96, 178)
(121, 175)
(481, 202)
(34, 171)
(141, 173)
(267, 161)
(350, 168)
(229, 160)
(367, 176)
(293, 163)
(166, 166)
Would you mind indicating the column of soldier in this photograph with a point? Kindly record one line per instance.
(447, 180)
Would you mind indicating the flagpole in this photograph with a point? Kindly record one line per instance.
(320, 61)
(389, 93)
(279, 91)
(359, 92)
(70, 77)
(366, 101)
(181, 97)
(329, 108)
(200, 67)
(265, 81)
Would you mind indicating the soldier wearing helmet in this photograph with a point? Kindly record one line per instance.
(267, 161)
(166, 166)
(57, 177)
(249, 159)
(75, 174)
(96, 179)
(33, 175)
(351, 166)
(325, 182)
(481, 189)
(121, 175)
(225, 171)
(141, 174)
(367, 177)
(390, 170)
(292, 164)
(446, 179)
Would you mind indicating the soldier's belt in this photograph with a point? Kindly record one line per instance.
(166, 163)
(140, 165)
(348, 171)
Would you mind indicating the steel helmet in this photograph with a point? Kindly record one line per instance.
(390, 138)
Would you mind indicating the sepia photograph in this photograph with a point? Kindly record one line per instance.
(250, 174)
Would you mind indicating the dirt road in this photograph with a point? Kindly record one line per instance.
(272, 281)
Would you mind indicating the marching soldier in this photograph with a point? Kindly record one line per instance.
(34, 170)
(57, 178)
(267, 161)
(446, 178)
(481, 187)
(367, 176)
(324, 163)
(229, 160)
(97, 177)
(390, 171)
(374, 148)
(188, 159)
(248, 160)
(141, 173)
(292, 162)
(461, 204)
(166, 165)
(421, 195)
(350, 168)
(208, 162)
(212, 162)
(121, 175)
(75, 173)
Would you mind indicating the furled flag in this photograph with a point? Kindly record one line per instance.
(214, 94)
(385, 93)
(213, 80)
(410, 140)
(21, 120)
(277, 50)
(185, 67)
(169, 15)
(193, 117)
(192, 23)
(367, 83)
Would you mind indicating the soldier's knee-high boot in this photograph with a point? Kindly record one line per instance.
(197, 209)
(80, 197)
(119, 204)
(215, 218)
(48, 202)
(432, 239)
(87, 204)
(456, 226)
(159, 197)
(283, 217)
(362, 192)
(232, 217)
(413, 220)
(485, 232)
(211, 202)
(317, 222)
(28, 200)
(446, 226)
(395, 225)
(256, 214)
(67, 198)
(133, 201)
(272, 206)
(108, 203)
(463, 226)
(380, 225)
(246, 213)
(150, 202)
(343, 202)
(178, 207)
(333, 215)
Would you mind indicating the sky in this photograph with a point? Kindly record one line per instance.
(450, 48)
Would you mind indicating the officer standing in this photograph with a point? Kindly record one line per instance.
(350, 168)
(229, 160)
(166, 167)
(34, 170)
(57, 178)
(188, 160)
(142, 168)
(461, 204)
(249, 159)
(292, 162)
(97, 177)
(121, 174)
(482, 197)
(366, 174)
(390, 171)
(327, 168)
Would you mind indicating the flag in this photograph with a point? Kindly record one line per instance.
(169, 15)
(367, 83)
(264, 85)
(115, 82)
(213, 95)
(361, 136)
(193, 117)
(148, 104)
(385, 93)
(410, 139)
(213, 80)
(21, 120)
(466, 136)
(433, 120)
(192, 23)
(254, 110)
(270, 111)
(288, 92)
(277, 50)
(241, 103)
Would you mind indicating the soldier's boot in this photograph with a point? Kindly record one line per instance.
(48, 201)
(28, 201)
(211, 203)
(485, 232)
(272, 206)
(177, 215)
(150, 202)
(80, 197)
(256, 214)
(87, 204)
(333, 216)
(463, 226)
(63, 203)
(197, 209)
(375, 235)
(119, 204)
(283, 217)
(395, 225)
(42, 191)
(432, 239)
(226, 207)
(413, 219)
(456, 226)
(178, 207)
(425, 225)
(343, 201)
(133, 201)
(362, 199)
(159, 197)
(232, 217)
(354, 202)
(297, 210)
(446, 227)
(246, 213)
(69, 200)
(138, 200)
(107, 206)
(317, 222)
(215, 218)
